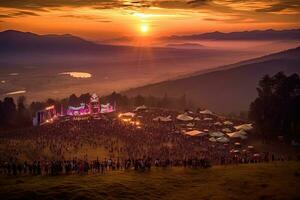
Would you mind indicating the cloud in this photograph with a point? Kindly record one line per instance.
(88, 17)
(18, 13)
(282, 5)
(44, 5)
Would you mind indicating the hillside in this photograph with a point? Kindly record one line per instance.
(230, 88)
(249, 181)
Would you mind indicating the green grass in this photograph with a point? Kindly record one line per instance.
(254, 181)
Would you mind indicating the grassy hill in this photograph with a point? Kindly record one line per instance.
(279, 180)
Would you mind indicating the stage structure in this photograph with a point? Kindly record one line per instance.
(47, 115)
(107, 108)
(95, 106)
(80, 110)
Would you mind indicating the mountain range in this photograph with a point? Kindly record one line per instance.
(270, 34)
(21, 42)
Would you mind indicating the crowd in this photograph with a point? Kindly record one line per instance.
(99, 144)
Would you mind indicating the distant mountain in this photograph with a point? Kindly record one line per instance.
(229, 88)
(24, 42)
(269, 34)
(187, 45)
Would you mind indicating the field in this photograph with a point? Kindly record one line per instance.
(278, 180)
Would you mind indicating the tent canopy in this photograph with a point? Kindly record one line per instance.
(184, 117)
(197, 119)
(143, 107)
(227, 123)
(245, 127)
(216, 134)
(190, 124)
(208, 119)
(195, 133)
(218, 123)
(163, 119)
(226, 130)
(128, 114)
(222, 139)
(238, 134)
(206, 112)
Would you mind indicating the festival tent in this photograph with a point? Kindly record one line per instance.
(206, 112)
(128, 114)
(222, 139)
(237, 143)
(163, 119)
(218, 123)
(195, 133)
(227, 123)
(197, 119)
(143, 107)
(238, 134)
(190, 125)
(212, 139)
(207, 119)
(216, 134)
(245, 127)
(184, 117)
(226, 130)
(205, 130)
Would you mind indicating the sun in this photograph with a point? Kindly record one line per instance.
(144, 28)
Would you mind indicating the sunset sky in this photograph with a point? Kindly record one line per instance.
(105, 19)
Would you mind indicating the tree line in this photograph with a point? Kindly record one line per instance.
(276, 110)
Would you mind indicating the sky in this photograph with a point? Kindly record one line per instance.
(107, 19)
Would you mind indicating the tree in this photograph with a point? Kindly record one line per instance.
(23, 115)
(139, 100)
(183, 102)
(276, 109)
(9, 111)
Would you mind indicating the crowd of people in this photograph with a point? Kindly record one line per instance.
(82, 145)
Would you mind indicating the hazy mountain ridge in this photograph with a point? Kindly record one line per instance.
(270, 34)
(230, 88)
(24, 42)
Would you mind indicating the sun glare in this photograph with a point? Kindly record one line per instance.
(144, 28)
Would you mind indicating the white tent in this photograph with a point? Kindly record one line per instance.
(245, 127)
(227, 123)
(212, 139)
(190, 125)
(205, 130)
(128, 114)
(208, 119)
(222, 139)
(197, 119)
(206, 112)
(216, 134)
(143, 107)
(184, 117)
(218, 123)
(163, 119)
(238, 134)
(195, 133)
(226, 130)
